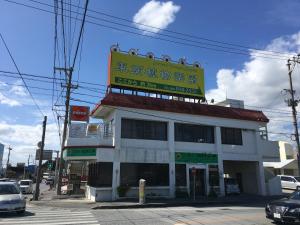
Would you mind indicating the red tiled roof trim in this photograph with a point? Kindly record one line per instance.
(174, 106)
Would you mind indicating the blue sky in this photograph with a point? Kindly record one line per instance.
(30, 36)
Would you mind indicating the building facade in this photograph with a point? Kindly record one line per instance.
(181, 149)
(288, 164)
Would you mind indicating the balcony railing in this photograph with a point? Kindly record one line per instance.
(90, 134)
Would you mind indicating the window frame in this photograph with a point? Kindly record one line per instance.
(189, 131)
(231, 136)
(144, 129)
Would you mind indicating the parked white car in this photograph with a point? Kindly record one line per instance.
(11, 199)
(290, 182)
(26, 186)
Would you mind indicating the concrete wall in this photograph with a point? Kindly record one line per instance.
(286, 151)
(269, 150)
(98, 194)
(149, 151)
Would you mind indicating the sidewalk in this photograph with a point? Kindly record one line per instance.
(240, 200)
(49, 198)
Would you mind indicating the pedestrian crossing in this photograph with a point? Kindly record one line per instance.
(49, 215)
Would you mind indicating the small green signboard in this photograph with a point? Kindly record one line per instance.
(80, 152)
(187, 157)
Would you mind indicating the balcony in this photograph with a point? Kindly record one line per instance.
(90, 134)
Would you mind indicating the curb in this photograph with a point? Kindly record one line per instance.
(159, 205)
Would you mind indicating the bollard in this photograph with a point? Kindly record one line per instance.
(142, 197)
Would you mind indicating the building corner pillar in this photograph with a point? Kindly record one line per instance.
(218, 142)
(115, 180)
(171, 148)
(260, 172)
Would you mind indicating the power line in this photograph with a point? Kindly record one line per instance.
(260, 55)
(50, 78)
(63, 31)
(157, 116)
(17, 68)
(103, 91)
(173, 32)
(81, 32)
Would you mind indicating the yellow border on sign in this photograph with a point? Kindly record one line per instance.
(147, 74)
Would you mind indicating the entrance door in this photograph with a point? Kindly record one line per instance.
(197, 182)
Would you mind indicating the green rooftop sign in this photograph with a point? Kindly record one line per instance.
(187, 157)
(70, 152)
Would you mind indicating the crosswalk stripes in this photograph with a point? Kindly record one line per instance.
(48, 215)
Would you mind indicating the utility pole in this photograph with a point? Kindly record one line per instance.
(68, 73)
(27, 166)
(294, 103)
(56, 167)
(7, 163)
(38, 179)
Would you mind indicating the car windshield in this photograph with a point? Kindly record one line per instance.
(295, 195)
(24, 183)
(8, 189)
(297, 178)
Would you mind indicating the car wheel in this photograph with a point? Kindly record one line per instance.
(21, 212)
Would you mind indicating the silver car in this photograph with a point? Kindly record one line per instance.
(11, 199)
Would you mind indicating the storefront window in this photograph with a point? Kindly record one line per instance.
(100, 174)
(155, 174)
(180, 174)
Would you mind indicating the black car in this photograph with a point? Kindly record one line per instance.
(285, 210)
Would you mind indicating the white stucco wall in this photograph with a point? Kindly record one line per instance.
(149, 151)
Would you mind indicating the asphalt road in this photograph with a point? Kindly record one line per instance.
(174, 215)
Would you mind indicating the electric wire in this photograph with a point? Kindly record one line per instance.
(260, 55)
(181, 34)
(17, 68)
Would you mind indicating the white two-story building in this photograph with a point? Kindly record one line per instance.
(178, 147)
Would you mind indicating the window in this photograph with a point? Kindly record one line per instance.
(288, 179)
(9, 189)
(155, 174)
(141, 129)
(180, 175)
(100, 174)
(231, 136)
(194, 133)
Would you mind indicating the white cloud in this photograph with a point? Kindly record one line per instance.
(8, 101)
(18, 90)
(260, 82)
(23, 139)
(156, 14)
